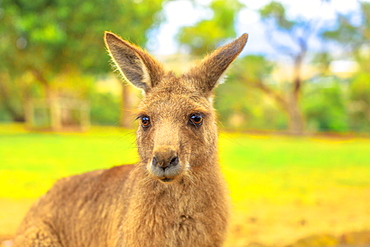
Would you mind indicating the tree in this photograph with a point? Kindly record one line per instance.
(237, 100)
(46, 38)
(206, 35)
(290, 38)
(354, 38)
(325, 104)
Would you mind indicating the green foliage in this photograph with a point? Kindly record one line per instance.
(321, 61)
(252, 68)
(4, 115)
(240, 106)
(353, 36)
(345, 32)
(360, 102)
(324, 102)
(105, 109)
(206, 35)
(53, 35)
(332, 104)
(276, 11)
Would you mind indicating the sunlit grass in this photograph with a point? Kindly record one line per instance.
(273, 167)
(31, 162)
(275, 181)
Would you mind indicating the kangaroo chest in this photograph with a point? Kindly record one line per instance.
(169, 217)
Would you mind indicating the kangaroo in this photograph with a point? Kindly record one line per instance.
(175, 195)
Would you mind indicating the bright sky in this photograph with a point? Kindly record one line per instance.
(182, 13)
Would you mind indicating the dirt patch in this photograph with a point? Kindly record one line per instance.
(6, 241)
(353, 239)
(356, 238)
(12, 211)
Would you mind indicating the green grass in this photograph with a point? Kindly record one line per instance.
(31, 162)
(291, 168)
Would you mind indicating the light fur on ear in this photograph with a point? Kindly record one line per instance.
(207, 74)
(135, 65)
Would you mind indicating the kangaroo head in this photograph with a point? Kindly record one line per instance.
(177, 131)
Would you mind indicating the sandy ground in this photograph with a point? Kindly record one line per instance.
(331, 219)
(343, 220)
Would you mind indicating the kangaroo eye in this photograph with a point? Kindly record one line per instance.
(196, 119)
(145, 121)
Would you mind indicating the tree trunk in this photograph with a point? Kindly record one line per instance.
(126, 108)
(5, 101)
(295, 119)
(55, 112)
(51, 100)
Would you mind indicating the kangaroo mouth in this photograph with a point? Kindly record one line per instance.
(166, 180)
(165, 175)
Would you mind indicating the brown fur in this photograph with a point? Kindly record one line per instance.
(175, 196)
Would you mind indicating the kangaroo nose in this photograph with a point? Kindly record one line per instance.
(165, 159)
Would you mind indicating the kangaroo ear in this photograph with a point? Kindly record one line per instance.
(210, 70)
(136, 66)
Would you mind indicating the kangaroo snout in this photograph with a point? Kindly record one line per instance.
(165, 161)
(165, 164)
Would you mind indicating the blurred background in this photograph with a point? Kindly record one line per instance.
(294, 112)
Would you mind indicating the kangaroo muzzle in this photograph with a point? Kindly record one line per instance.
(165, 164)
